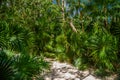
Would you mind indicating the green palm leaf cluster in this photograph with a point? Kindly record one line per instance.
(7, 71)
(14, 37)
(22, 67)
(28, 67)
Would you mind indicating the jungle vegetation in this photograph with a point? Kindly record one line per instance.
(85, 33)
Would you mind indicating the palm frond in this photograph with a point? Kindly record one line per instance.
(7, 71)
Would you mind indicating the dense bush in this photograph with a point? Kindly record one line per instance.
(21, 66)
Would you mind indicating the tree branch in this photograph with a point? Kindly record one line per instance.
(73, 27)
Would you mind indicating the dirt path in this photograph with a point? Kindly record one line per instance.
(64, 71)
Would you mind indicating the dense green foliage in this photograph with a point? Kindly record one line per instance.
(85, 33)
(20, 67)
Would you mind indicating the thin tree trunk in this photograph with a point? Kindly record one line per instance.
(63, 17)
(63, 11)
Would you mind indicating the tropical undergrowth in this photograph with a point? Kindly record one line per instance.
(30, 29)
